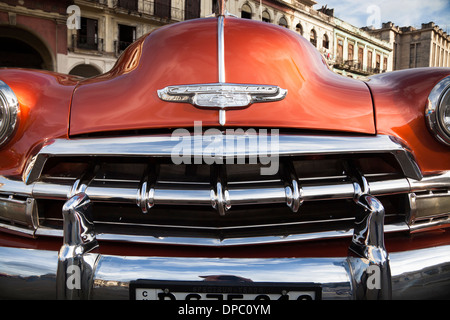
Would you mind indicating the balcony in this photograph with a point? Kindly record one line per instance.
(96, 2)
(355, 66)
(163, 10)
(130, 5)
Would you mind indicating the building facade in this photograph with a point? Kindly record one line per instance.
(428, 46)
(359, 54)
(85, 37)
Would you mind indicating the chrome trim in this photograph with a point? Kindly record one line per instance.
(416, 274)
(293, 191)
(389, 186)
(17, 211)
(221, 46)
(215, 242)
(432, 111)
(433, 182)
(220, 8)
(431, 223)
(221, 53)
(17, 229)
(75, 270)
(411, 217)
(10, 109)
(222, 117)
(431, 207)
(163, 146)
(219, 194)
(369, 251)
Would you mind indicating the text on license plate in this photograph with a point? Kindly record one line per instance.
(220, 292)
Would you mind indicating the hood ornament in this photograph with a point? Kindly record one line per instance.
(220, 8)
(221, 95)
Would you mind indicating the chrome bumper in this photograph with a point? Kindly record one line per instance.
(368, 272)
(32, 274)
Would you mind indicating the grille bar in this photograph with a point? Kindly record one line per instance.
(237, 195)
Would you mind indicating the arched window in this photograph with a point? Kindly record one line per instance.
(283, 22)
(21, 48)
(299, 28)
(326, 41)
(85, 70)
(246, 12)
(266, 16)
(313, 37)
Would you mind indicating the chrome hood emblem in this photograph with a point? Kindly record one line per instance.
(222, 96)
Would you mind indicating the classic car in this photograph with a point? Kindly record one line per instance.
(222, 158)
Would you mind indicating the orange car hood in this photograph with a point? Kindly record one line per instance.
(185, 53)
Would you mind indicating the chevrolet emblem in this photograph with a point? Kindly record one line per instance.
(222, 96)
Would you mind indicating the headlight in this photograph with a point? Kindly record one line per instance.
(437, 111)
(9, 108)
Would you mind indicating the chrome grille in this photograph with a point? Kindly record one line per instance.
(139, 194)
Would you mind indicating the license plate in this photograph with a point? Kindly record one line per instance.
(218, 290)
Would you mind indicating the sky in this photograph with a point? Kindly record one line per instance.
(402, 13)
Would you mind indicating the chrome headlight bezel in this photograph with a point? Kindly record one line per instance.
(9, 109)
(437, 106)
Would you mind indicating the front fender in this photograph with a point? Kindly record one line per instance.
(44, 101)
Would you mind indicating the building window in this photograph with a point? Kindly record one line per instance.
(163, 8)
(87, 37)
(299, 28)
(127, 35)
(414, 55)
(340, 51)
(283, 22)
(350, 52)
(369, 60)
(360, 56)
(313, 37)
(326, 41)
(265, 16)
(192, 9)
(378, 62)
(246, 12)
(385, 63)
